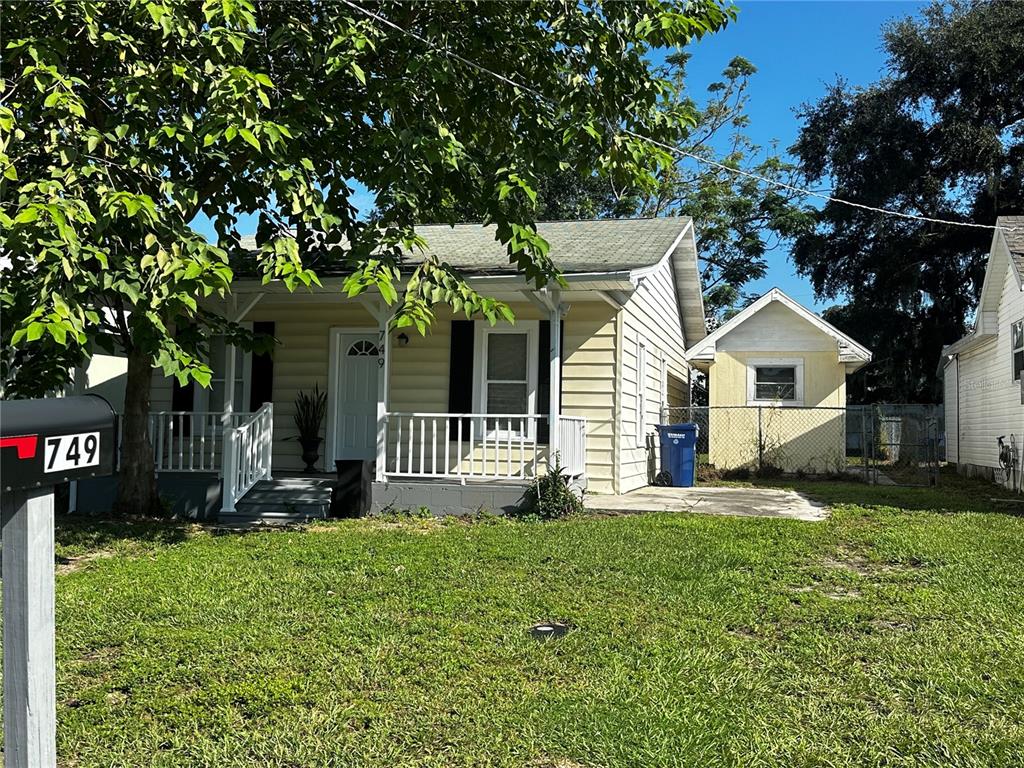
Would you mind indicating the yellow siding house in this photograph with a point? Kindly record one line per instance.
(777, 387)
(466, 416)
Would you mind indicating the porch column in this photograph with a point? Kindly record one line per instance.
(228, 468)
(555, 375)
(228, 442)
(383, 377)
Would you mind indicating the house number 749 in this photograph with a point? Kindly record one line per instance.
(64, 452)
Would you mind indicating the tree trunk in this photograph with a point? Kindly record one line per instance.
(136, 486)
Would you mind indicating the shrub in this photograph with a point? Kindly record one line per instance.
(768, 471)
(550, 497)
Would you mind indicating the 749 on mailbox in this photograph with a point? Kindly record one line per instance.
(42, 443)
(45, 442)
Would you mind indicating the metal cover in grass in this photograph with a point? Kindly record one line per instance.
(547, 629)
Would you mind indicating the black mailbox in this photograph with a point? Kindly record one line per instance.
(45, 442)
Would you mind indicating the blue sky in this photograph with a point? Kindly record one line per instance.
(798, 48)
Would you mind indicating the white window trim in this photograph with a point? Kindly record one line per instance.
(754, 363)
(480, 333)
(201, 401)
(641, 391)
(1013, 349)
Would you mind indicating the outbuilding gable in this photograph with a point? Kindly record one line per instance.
(776, 322)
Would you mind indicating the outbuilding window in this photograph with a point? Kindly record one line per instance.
(775, 381)
(1017, 346)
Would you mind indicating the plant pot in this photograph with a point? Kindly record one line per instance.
(310, 452)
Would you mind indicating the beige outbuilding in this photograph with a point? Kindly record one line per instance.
(777, 387)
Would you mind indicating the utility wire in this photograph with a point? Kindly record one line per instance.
(662, 145)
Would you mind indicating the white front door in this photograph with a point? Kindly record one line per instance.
(356, 363)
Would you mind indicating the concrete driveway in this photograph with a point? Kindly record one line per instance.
(741, 502)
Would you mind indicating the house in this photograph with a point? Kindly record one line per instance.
(982, 372)
(777, 387)
(465, 416)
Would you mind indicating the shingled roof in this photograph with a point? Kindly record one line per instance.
(577, 247)
(1013, 233)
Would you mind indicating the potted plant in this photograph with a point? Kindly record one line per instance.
(310, 409)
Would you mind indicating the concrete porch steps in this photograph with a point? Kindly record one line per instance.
(282, 501)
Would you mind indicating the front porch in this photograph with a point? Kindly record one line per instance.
(466, 403)
(453, 463)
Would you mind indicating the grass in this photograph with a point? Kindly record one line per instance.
(889, 635)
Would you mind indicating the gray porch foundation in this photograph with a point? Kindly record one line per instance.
(195, 495)
(446, 497)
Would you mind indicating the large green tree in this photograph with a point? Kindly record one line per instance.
(942, 135)
(122, 122)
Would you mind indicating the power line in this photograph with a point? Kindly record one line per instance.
(662, 145)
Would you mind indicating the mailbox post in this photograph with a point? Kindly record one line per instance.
(42, 443)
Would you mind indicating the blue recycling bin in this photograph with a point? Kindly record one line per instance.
(679, 452)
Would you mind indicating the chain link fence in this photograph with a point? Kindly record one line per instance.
(890, 444)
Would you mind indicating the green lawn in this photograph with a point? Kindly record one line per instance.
(890, 635)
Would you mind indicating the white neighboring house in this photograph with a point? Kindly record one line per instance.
(984, 394)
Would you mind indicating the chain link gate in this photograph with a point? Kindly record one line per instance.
(904, 443)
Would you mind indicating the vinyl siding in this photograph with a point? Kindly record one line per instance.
(989, 398)
(951, 407)
(652, 316)
(588, 385)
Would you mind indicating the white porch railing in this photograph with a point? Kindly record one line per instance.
(238, 446)
(186, 441)
(467, 446)
(572, 445)
(247, 453)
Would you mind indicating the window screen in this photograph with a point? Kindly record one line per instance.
(507, 373)
(775, 382)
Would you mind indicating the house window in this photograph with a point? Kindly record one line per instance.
(507, 381)
(775, 381)
(363, 348)
(1017, 347)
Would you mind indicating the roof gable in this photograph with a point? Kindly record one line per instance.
(1001, 257)
(1012, 232)
(848, 350)
(1006, 253)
